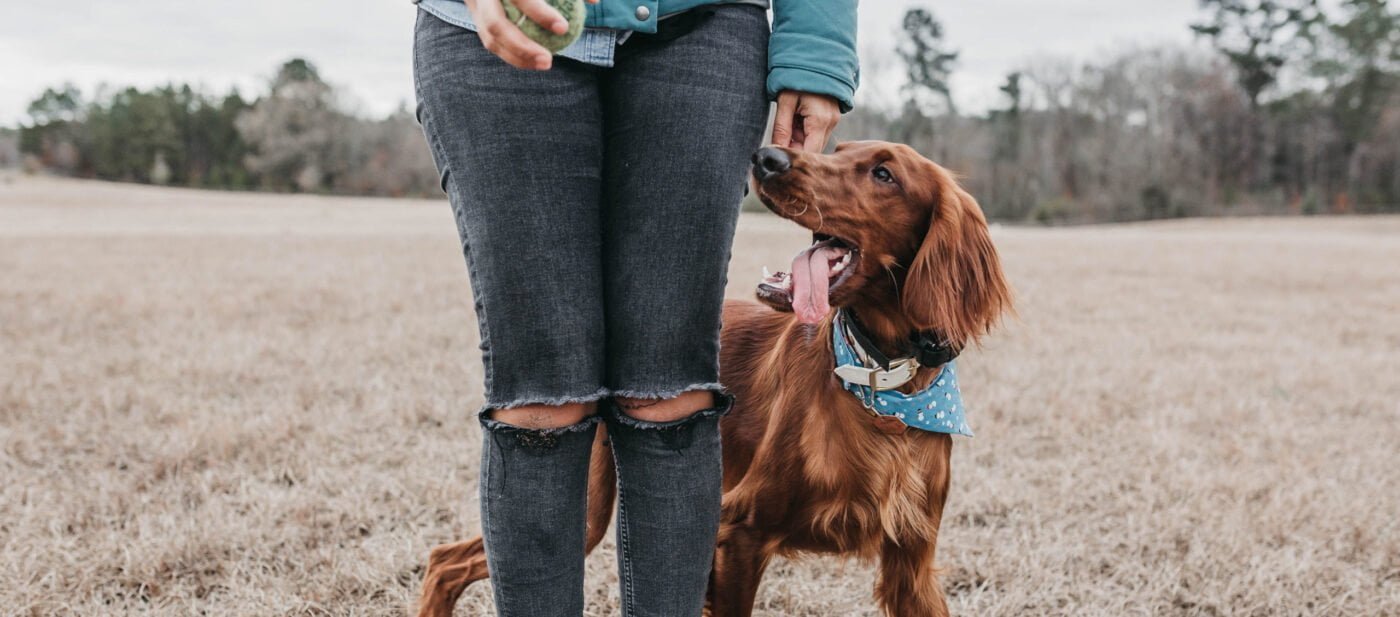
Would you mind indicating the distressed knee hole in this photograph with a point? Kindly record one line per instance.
(533, 438)
(663, 409)
(675, 433)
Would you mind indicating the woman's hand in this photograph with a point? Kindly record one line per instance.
(507, 41)
(805, 120)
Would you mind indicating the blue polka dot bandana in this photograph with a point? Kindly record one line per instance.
(937, 409)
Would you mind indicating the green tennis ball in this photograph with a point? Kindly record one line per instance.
(573, 11)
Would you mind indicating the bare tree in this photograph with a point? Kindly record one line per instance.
(928, 63)
(1258, 36)
(1361, 64)
(9, 149)
(295, 132)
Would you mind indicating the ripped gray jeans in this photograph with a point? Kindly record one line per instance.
(597, 205)
(596, 208)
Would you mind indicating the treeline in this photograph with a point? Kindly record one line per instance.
(1298, 111)
(295, 137)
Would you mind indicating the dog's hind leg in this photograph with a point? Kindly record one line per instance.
(741, 555)
(451, 568)
(602, 489)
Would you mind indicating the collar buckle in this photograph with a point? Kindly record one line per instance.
(899, 373)
(875, 371)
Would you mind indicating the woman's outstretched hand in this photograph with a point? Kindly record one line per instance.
(804, 120)
(507, 41)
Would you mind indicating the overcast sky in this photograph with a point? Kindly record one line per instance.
(363, 45)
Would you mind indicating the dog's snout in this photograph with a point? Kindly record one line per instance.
(769, 162)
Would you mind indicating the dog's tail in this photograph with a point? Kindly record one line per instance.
(452, 567)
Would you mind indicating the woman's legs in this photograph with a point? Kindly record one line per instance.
(681, 118)
(520, 153)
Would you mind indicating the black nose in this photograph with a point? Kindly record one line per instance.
(769, 162)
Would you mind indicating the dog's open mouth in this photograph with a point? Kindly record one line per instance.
(817, 271)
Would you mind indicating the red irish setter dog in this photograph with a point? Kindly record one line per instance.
(806, 469)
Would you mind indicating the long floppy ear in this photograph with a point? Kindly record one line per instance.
(955, 285)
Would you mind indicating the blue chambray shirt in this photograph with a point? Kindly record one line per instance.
(595, 46)
(813, 47)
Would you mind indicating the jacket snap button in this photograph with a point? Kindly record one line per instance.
(643, 13)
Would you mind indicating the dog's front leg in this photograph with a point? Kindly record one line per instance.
(740, 558)
(908, 586)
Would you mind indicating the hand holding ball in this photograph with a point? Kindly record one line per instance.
(524, 33)
(573, 12)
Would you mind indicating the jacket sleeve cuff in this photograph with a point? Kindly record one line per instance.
(813, 49)
(802, 79)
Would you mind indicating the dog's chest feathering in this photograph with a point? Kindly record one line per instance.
(864, 485)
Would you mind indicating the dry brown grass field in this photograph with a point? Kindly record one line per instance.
(230, 404)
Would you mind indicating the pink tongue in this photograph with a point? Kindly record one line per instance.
(811, 274)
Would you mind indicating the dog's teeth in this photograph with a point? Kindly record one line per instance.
(766, 274)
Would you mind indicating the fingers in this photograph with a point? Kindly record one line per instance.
(819, 117)
(541, 13)
(783, 118)
(818, 132)
(804, 120)
(799, 131)
(504, 39)
(508, 42)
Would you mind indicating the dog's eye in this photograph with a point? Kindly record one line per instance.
(882, 174)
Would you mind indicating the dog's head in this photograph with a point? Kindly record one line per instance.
(890, 229)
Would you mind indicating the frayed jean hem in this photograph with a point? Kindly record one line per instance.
(667, 393)
(599, 395)
(550, 401)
